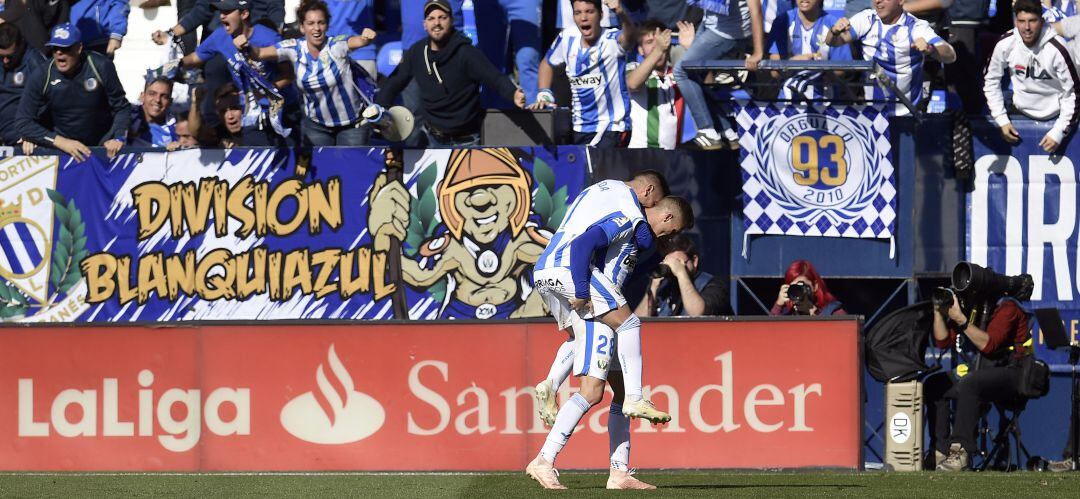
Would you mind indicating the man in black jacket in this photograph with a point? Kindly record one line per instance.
(75, 101)
(19, 61)
(449, 71)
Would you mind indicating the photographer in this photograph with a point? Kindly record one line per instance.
(678, 288)
(994, 377)
(804, 293)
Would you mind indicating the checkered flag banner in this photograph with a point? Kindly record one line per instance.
(816, 170)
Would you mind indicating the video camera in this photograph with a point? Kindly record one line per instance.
(982, 284)
(972, 285)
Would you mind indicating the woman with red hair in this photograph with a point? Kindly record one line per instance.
(804, 293)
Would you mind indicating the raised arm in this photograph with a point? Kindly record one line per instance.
(629, 29)
(269, 53)
(639, 75)
(362, 40)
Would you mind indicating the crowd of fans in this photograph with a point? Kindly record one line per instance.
(619, 65)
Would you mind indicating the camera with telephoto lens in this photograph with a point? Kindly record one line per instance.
(976, 284)
(661, 271)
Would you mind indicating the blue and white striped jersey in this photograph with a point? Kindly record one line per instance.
(611, 205)
(597, 77)
(890, 45)
(789, 37)
(326, 81)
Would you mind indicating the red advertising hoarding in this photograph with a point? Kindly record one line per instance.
(449, 396)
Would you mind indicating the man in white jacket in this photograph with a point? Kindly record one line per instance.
(1042, 74)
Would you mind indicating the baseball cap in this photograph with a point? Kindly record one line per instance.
(228, 5)
(442, 5)
(64, 35)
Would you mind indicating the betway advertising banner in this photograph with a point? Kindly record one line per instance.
(1022, 218)
(435, 396)
(266, 234)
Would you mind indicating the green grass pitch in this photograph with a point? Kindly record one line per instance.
(582, 484)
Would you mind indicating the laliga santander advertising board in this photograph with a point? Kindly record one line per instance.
(743, 394)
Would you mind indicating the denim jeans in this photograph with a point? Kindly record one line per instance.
(707, 45)
(321, 135)
(513, 24)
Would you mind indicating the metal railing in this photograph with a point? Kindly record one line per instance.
(871, 74)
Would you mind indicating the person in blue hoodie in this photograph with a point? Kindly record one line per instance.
(103, 23)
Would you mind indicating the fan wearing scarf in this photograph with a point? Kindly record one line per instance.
(332, 101)
(266, 88)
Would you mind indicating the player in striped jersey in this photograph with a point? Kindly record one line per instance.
(649, 187)
(899, 42)
(594, 59)
(656, 106)
(799, 35)
(578, 275)
(332, 103)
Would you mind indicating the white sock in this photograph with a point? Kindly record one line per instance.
(629, 339)
(565, 422)
(563, 364)
(710, 133)
(618, 428)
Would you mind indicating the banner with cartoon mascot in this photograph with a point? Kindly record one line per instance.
(814, 170)
(263, 234)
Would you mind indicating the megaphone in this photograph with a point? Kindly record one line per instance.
(394, 124)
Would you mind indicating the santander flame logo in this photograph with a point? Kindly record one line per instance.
(337, 414)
